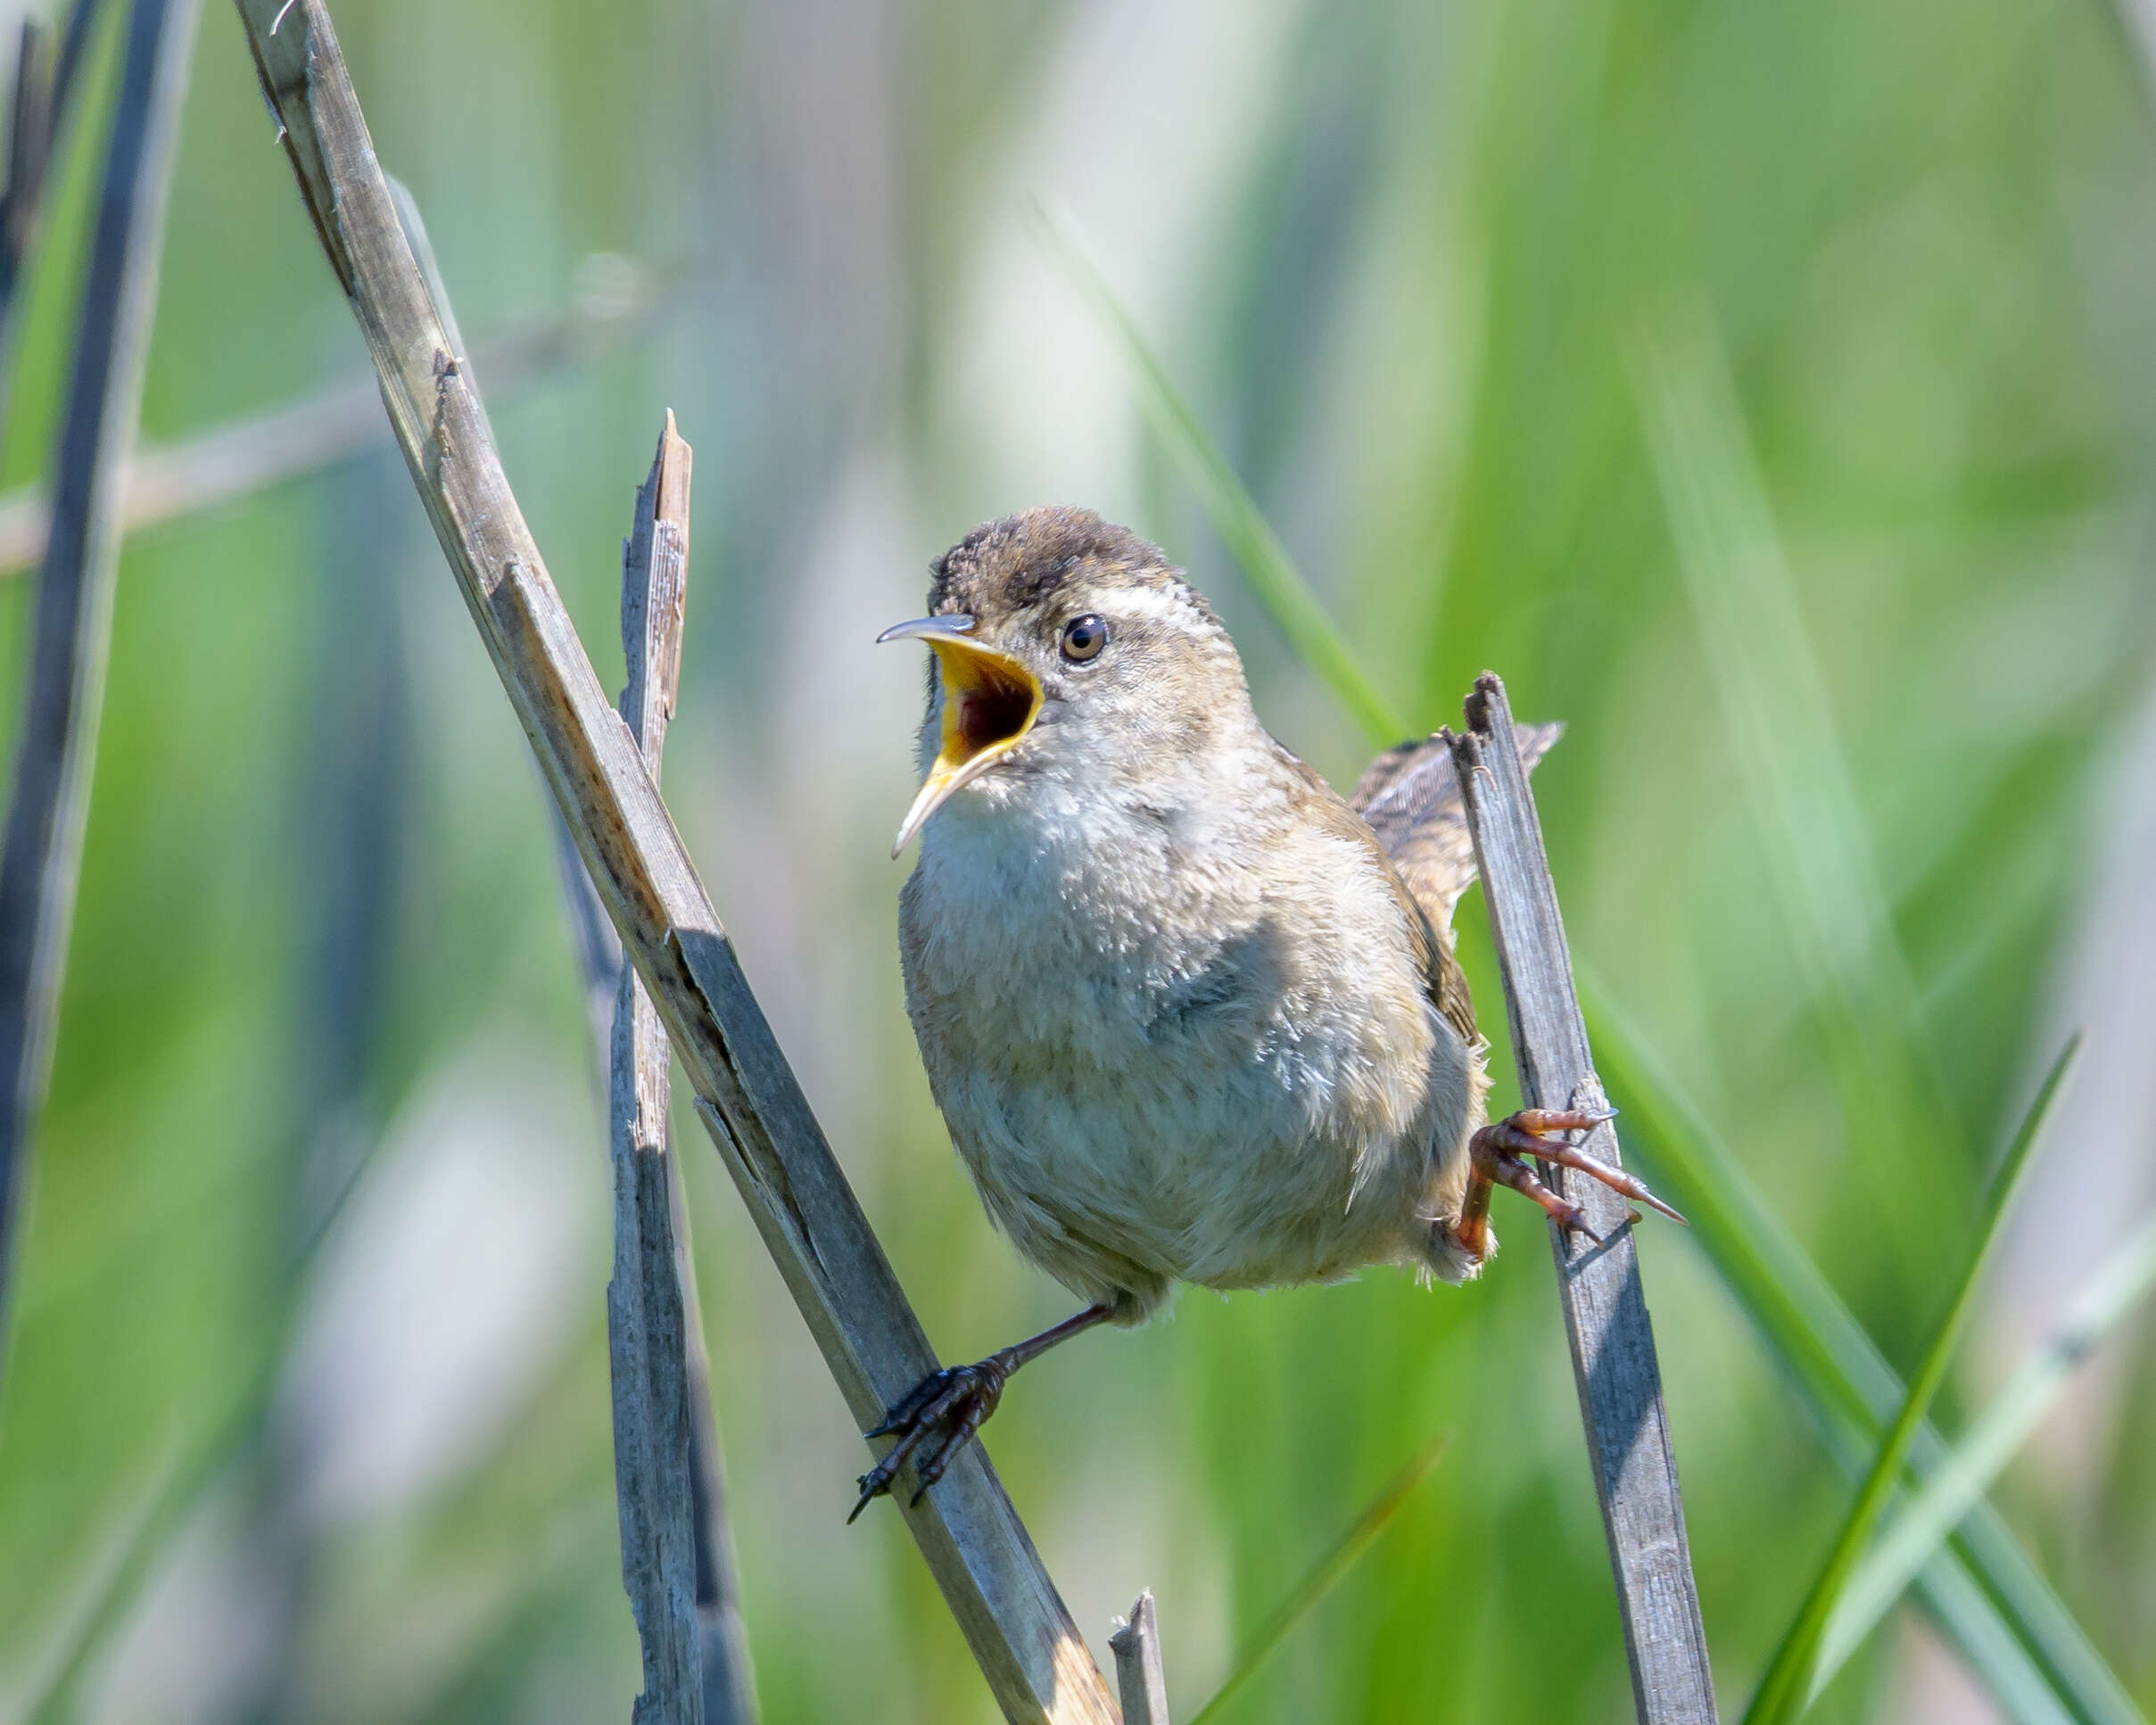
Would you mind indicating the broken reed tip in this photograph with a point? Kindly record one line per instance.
(1488, 686)
(1125, 1633)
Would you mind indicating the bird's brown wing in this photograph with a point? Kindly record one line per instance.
(1448, 983)
(1411, 799)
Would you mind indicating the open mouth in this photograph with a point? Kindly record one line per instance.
(989, 703)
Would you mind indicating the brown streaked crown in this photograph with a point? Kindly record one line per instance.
(1022, 561)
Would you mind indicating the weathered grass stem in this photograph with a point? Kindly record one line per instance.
(1035, 1661)
(645, 1325)
(1136, 1646)
(1605, 1320)
(730, 1690)
(660, 1370)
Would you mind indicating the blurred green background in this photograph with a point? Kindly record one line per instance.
(1767, 390)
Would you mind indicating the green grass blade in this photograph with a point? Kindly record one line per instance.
(2126, 1278)
(1983, 1590)
(1326, 1573)
(1966, 1615)
(1774, 701)
(182, 1482)
(1250, 539)
(1786, 1690)
(1757, 650)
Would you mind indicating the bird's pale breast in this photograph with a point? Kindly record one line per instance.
(1170, 1050)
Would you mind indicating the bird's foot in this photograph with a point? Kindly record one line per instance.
(1498, 1152)
(954, 1402)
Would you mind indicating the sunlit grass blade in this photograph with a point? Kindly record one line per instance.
(1758, 654)
(2016, 1633)
(1773, 699)
(43, 1664)
(184, 1480)
(1786, 1690)
(1990, 1597)
(1326, 1573)
(1817, 852)
(1990, 1442)
(1242, 529)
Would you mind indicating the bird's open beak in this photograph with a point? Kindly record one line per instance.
(989, 701)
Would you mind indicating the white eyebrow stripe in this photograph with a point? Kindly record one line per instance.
(1155, 605)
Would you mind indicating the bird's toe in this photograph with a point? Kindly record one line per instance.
(954, 1402)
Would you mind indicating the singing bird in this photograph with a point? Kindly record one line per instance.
(1187, 1016)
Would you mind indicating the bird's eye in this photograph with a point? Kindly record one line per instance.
(1084, 638)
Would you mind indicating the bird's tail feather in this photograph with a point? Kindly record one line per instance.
(1411, 796)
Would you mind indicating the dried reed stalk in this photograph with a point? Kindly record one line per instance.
(1020, 1635)
(1605, 1321)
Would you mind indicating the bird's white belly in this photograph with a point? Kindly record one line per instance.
(1144, 1083)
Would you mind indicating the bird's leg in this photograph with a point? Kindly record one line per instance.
(1496, 1155)
(958, 1399)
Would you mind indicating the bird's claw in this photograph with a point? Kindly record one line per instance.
(1499, 1150)
(957, 1399)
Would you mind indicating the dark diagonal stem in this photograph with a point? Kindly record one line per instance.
(40, 855)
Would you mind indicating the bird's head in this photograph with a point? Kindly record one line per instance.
(1064, 644)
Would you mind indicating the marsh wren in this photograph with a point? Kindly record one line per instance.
(1187, 1017)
